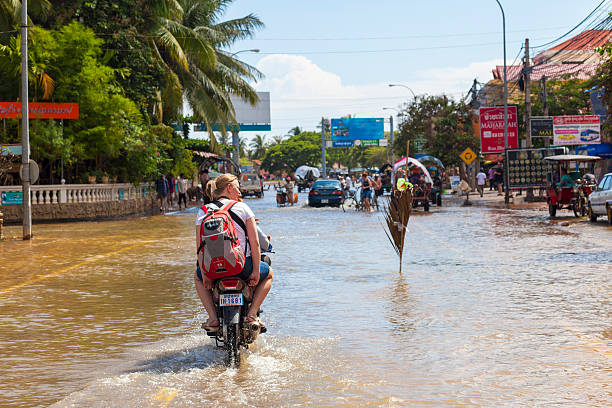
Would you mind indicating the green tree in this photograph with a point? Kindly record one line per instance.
(292, 153)
(446, 126)
(258, 147)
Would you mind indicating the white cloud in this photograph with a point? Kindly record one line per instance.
(302, 92)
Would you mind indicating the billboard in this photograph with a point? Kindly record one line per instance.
(347, 129)
(247, 114)
(250, 118)
(527, 168)
(40, 110)
(492, 129)
(576, 130)
(542, 127)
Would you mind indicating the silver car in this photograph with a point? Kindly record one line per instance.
(600, 201)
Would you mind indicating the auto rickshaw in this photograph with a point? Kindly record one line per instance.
(571, 197)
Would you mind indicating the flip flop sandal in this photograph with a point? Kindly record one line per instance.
(255, 320)
(209, 327)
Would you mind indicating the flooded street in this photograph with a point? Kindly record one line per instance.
(494, 307)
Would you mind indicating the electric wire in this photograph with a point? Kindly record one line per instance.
(574, 28)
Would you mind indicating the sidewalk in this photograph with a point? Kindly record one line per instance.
(492, 199)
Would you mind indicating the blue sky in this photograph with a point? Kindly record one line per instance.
(335, 57)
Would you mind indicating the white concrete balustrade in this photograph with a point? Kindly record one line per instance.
(84, 193)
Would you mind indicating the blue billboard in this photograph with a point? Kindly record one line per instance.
(357, 129)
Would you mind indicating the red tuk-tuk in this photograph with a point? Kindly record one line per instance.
(572, 195)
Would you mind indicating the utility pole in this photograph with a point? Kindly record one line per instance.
(25, 126)
(323, 147)
(391, 139)
(506, 176)
(545, 105)
(236, 151)
(527, 76)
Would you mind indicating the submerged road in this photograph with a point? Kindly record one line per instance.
(494, 307)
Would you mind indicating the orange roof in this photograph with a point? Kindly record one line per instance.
(586, 41)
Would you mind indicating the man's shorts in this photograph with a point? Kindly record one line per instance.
(264, 271)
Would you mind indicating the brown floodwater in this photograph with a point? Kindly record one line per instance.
(494, 307)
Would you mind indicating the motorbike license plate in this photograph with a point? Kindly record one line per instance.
(230, 299)
(324, 201)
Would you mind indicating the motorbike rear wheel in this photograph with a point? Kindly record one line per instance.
(231, 344)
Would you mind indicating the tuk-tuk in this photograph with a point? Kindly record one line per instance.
(435, 168)
(568, 188)
(421, 180)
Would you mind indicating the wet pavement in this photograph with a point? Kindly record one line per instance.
(494, 307)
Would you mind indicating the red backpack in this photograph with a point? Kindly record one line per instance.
(222, 254)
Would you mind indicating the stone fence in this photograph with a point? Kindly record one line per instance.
(82, 201)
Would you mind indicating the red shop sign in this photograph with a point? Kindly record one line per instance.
(492, 129)
(40, 110)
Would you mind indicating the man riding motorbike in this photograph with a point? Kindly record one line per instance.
(257, 273)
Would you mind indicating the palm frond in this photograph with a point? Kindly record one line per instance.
(397, 214)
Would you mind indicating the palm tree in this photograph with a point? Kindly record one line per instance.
(242, 147)
(277, 139)
(190, 41)
(258, 146)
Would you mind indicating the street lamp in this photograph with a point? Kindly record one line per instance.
(254, 50)
(404, 86)
(507, 195)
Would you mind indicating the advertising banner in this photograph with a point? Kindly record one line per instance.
(492, 129)
(357, 129)
(15, 149)
(542, 127)
(576, 130)
(527, 168)
(11, 198)
(40, 110)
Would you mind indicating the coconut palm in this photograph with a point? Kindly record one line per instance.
(258, 146)
(191, 41)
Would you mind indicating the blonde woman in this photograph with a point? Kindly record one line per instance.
(256, 273)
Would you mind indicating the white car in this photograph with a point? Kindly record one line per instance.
(600, 201)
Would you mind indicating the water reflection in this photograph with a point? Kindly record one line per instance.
(493, 305)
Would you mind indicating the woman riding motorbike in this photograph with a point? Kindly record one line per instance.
(255, 272)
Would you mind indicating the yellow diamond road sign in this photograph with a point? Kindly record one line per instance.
(468, 156)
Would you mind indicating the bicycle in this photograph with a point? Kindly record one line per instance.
(351, 200)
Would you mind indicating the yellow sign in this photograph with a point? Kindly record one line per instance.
(468, 156)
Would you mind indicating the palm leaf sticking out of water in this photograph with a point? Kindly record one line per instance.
(397, 214)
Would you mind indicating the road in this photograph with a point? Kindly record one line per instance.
(495, 307)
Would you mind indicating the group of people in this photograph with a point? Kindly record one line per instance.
(370, 187)
(168, 189)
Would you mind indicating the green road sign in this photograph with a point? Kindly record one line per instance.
(11, 198)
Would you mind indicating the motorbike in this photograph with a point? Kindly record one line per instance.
(232, 298)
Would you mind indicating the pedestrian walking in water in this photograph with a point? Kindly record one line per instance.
(171, 189)
(161, 186)
(491, 177)
(481, 177)
(181, 187)
(499, 179)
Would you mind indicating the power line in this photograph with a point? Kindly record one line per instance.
(403, 37)
(572, 30)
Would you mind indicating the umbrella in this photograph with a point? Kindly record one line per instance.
(402, 162)
(302, 171)
(428, 158)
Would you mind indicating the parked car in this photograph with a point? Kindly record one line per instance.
(325, 192)
(251, 185)
(600, 201)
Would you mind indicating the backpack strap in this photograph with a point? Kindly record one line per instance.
(238, 220)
